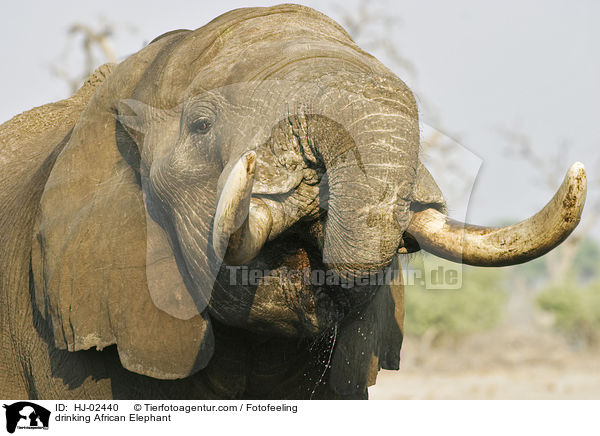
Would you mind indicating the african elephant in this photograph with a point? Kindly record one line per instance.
(263, 143)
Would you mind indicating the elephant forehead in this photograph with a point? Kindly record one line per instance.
(250, 44)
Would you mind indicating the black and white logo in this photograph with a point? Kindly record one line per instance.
(26, 415)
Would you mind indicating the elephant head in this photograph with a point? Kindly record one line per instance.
(266, 139)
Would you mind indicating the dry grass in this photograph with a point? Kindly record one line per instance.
(497, 365)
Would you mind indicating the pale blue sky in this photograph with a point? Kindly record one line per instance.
(528, 64)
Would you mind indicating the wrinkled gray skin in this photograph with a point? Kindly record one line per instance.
(108, 208)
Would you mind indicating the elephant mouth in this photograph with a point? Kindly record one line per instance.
(287, 290)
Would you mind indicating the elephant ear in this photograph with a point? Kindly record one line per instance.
(97, 254)
(371, 340)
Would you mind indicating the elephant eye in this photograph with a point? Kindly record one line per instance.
(201, 125)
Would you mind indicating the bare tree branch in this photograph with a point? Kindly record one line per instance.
(97, 48)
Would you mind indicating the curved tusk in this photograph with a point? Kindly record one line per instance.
(242, 224)
(502, 246)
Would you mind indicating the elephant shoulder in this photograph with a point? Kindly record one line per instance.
(36, 132)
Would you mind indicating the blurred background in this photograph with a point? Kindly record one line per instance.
(509, 97)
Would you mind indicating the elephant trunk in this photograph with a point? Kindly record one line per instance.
(366, 146)
(370, 170)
